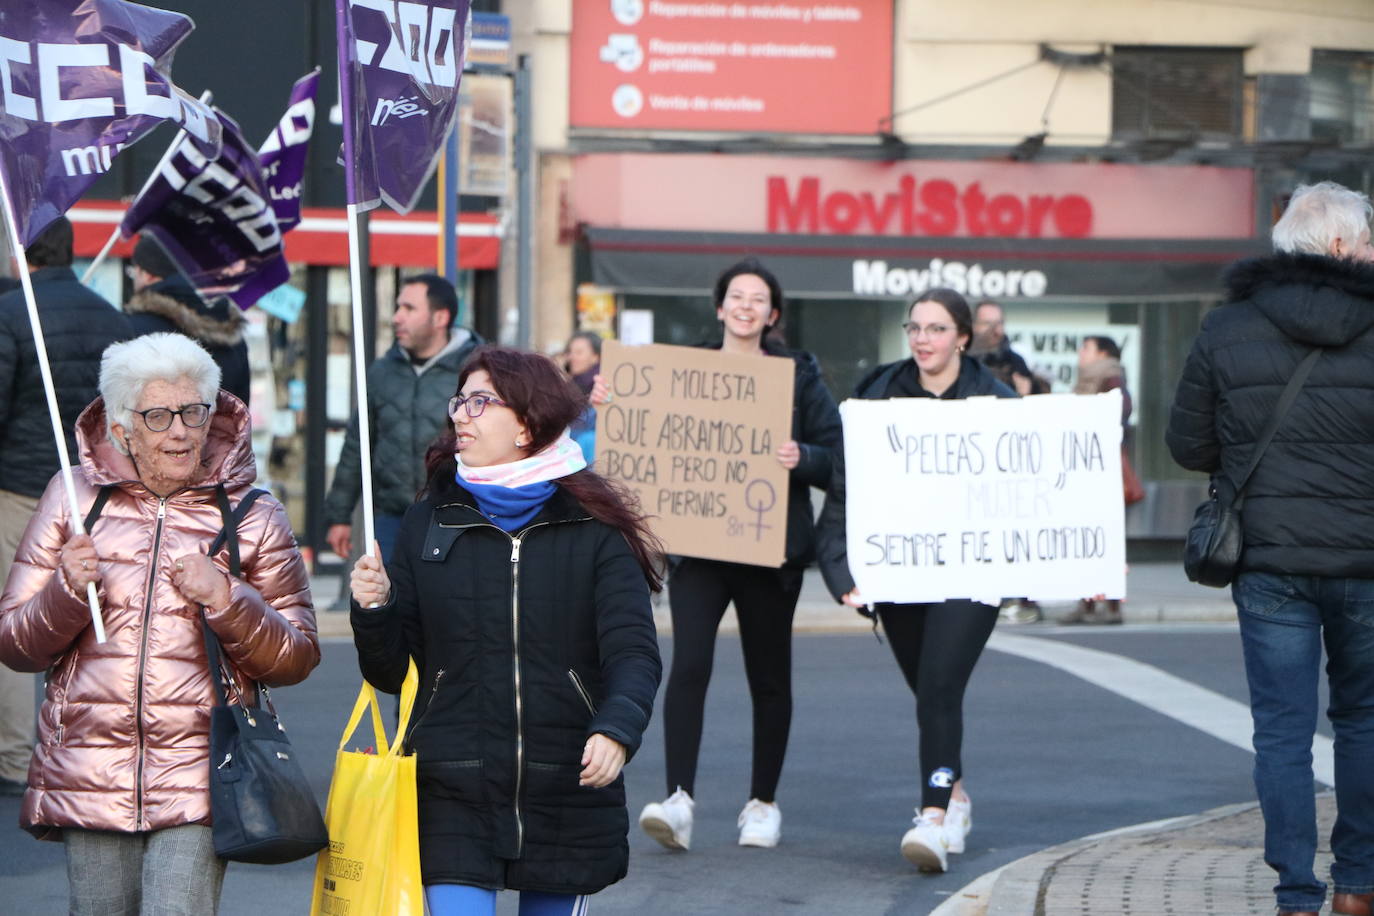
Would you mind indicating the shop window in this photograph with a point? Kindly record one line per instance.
(1176, 92)
(1342, 106)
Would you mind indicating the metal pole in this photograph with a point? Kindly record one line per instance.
(448, 207)
(524, 221)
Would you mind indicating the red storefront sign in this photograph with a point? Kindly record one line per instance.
(939, 208)
(822, 68)
(322, 237)
(814, 196)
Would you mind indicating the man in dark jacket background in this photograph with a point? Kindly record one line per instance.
(77, 327)
(1306, 574)
(408, 392)
(164, 300)
(991, 347)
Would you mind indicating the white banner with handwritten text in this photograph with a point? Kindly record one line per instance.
(985, 498)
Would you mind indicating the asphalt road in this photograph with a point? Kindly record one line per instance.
(1047, 758)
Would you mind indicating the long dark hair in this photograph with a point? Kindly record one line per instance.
(546, 401)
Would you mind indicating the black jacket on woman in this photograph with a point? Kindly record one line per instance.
(816, 429)
(893, 380)
(1309, 509)
(527, 644)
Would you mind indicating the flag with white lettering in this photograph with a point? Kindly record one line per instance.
(402, 60)
(213, 217)
(282, 154)
(81, 80)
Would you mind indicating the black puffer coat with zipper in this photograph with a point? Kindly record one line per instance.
(1308, 509)
(527, 644)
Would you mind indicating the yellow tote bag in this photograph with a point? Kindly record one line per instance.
(372, 864)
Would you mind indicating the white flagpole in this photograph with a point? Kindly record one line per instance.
(355, 275)
(205, 97)
(78, 526)
(343, 35)
(100, 258)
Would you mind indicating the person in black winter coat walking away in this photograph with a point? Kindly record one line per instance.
(1306, 571)
(520, 586)
(77, 327)
(936, 645)
(407, 389)
(749, 301)
(164, 300)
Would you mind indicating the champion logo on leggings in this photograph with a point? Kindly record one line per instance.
(942, 778)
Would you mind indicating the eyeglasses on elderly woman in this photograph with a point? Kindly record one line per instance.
(159, 419)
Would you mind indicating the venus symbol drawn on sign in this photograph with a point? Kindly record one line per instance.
(758, 505)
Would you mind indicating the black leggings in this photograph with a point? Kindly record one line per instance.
(765, 601)
(936, 646)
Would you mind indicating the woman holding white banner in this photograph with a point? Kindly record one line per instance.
(748, 299)
(936, 645)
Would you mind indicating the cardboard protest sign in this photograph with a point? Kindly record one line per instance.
(693, 432)
(985, 498)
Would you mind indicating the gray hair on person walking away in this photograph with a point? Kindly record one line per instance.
(1317, 215)
(127, 367)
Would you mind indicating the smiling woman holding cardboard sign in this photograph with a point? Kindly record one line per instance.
(748, 302)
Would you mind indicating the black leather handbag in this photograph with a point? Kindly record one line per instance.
(1212, 552)
(261, 805)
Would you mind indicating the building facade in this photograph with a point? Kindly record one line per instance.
(1093, 167)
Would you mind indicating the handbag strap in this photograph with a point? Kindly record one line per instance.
(214, 652)
(1290, 394)
(98, 506)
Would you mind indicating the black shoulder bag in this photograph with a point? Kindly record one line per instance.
(261, 805)
(1212, 551)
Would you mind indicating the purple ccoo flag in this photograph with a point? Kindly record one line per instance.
(213, 218)
(79, 81)
(401, 61)
(283, 153)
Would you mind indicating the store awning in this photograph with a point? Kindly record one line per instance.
(826, 266)
(322, 236)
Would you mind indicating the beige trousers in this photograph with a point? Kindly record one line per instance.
(16, 688)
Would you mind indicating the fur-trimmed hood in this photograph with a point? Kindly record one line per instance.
(1318, 300)
(219, 323)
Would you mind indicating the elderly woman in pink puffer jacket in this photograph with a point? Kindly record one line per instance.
(119, 772)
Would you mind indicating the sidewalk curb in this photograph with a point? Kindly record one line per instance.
(1014, 889)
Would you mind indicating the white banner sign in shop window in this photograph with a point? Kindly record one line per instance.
(1051, 348)
(985, 498)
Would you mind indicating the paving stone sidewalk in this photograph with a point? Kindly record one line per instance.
(1210, 863)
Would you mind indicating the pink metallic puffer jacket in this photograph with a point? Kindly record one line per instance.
(123, 737)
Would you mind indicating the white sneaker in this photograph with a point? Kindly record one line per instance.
(925, 846)
(958, 822)
(760, 824)
(669, 821)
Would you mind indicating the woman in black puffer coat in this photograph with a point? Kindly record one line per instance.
(936, 645)
(520, 585)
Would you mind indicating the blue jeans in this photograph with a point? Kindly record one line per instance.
(465, 900)
(1284, 621)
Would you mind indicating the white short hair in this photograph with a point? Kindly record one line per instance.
(127, 367)
(1317, 215)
